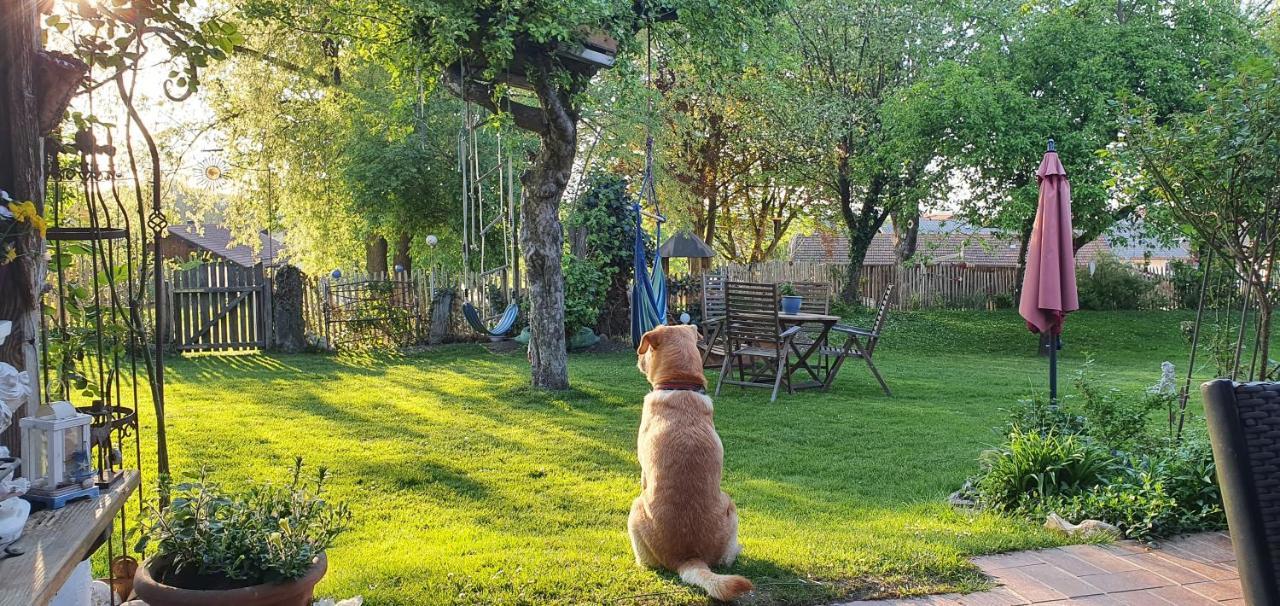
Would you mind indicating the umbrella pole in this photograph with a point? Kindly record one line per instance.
(1053, 371)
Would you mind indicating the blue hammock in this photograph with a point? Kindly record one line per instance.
(649, 292)
(501, 329)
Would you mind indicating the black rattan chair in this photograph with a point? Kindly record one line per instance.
(1244, 426)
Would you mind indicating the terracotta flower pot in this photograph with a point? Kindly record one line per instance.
(292, 593)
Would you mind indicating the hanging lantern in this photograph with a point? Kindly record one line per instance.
(56, 451)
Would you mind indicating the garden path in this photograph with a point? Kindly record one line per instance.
(1191, 570)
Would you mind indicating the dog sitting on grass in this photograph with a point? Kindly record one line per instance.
(682, 521)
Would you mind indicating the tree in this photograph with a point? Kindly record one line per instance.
(334, 132)
(852, 60)
(1218, 171)
(1063, 71)
(485, 50)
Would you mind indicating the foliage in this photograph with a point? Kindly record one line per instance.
(1056, 70)
(1172, 491)
(1218, 170)
(1187, 278)
(1151, 484)
(1112, 284)
(1036, 413)
(606, 219)
(263, 534)
(1034, 465)
(1111, 416)
(602, 228)
(584, 290)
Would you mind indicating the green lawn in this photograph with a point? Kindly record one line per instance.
(470, 488)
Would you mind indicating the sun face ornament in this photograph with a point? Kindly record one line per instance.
(212, 172)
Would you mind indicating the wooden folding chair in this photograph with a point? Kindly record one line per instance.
(713, 313)
(859, 343)
(754, 340)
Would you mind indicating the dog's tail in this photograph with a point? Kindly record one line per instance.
(723, 587)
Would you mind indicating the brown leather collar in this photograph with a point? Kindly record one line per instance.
(680, 387)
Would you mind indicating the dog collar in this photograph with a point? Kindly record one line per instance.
(680, 387)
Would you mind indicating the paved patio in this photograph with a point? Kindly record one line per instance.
(1192, 570)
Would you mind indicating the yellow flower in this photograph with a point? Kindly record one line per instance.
(26, 212)
(10, 253)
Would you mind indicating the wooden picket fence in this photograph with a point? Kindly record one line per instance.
(917, 287)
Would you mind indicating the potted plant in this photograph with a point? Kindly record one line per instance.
(790, 301)
(261, 547)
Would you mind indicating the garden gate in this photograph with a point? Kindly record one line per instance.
(220, 306)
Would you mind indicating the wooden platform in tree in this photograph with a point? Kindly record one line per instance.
(55, 541)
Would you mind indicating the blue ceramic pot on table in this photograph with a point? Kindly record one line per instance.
(791, 304)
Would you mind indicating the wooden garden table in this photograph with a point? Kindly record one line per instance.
(825, 321)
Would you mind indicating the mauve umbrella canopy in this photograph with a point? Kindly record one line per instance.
(1049, 287)
(685, 244)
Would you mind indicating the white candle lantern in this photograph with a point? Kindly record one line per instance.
(56, 455)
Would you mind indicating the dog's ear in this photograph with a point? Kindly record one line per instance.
(649, 341)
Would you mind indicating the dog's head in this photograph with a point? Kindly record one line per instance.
(669, 354)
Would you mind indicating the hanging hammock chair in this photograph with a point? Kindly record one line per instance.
(649, 290)
(505, 322)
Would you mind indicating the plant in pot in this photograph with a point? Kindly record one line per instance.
(264, 546)
(790, 301)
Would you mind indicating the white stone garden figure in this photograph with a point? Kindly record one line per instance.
(14, 390)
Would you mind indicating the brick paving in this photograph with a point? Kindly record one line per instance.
(1192, 570)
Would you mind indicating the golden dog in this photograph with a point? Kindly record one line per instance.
(682, 521)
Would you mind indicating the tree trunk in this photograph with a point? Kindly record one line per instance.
(21, 174)
(402, 259)
(1023, 246)
(906, 232)
(858, 245)
(375, 256)
(542, 242)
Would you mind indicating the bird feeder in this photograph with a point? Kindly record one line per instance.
(56, 455)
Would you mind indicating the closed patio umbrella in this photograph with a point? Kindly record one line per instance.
(1049, 286)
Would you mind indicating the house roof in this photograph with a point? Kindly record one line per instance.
(218, 240)
(1129, 243)
(981, 248)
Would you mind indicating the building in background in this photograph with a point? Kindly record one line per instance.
(209, 240)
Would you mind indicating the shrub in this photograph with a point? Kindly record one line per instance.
(1171, 491)
(584, 290)
(1033, 466)
(262, 535)
(1113, 285)
(1187, 279)
(1102, 458)
(1113, 418)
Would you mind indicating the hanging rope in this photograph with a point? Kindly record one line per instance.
(649, 292)
(476, 226)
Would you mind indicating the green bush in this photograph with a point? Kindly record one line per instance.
(585, 284)
(1033, 466)
(1117, 420)
(1187, 278)
(1171, 491)
(1102, 456)
(1113, 285)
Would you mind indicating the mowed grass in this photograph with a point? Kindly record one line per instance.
(467, 487)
